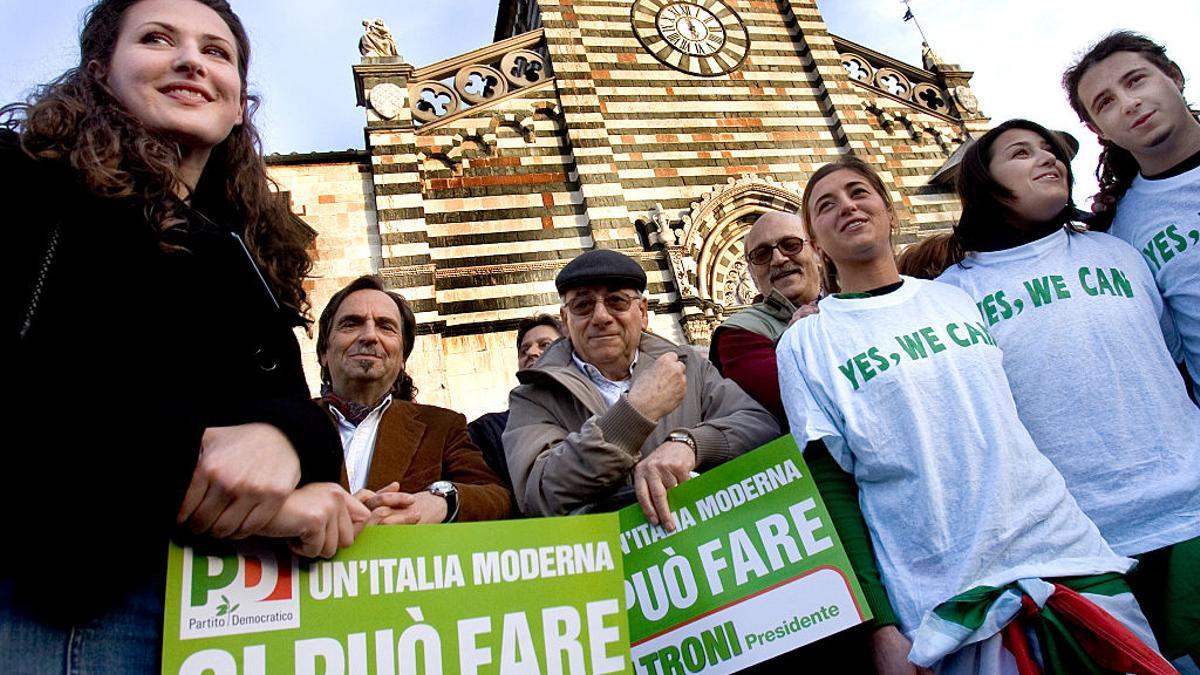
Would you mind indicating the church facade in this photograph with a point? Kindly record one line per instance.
(659, 128)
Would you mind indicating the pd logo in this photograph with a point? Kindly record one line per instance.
(255, 591)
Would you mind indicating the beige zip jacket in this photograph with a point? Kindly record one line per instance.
(567, 449)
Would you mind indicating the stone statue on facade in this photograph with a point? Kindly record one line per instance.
(377, 40)
(739, 288)
(929, 58)
(658, 226)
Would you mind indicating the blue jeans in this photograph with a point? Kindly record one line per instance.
(126, 638)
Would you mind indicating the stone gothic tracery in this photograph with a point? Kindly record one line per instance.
(704, 247)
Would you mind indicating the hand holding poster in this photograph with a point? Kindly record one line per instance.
(753, 570)
(539, 596)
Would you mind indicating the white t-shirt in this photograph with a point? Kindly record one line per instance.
(1077, 317)
(1161, 219)
(908, 392)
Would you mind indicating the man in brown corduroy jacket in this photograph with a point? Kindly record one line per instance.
(409, 463)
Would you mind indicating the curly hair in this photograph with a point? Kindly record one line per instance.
(1117, 166)
(76, 120)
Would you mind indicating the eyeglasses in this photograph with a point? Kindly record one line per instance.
(789, 246)
(615, 303)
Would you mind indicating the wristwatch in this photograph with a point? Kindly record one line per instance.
(446, 490)
(681, 436)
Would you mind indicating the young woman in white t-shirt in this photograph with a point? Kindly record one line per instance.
(901, 381)
(1080, 320)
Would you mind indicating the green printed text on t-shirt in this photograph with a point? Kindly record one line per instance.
(1168, 243)
(1046, 289)
(920, 344)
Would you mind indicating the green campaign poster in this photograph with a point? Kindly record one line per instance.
(522, 596)
(755, 569)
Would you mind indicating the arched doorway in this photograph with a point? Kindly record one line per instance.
(706, 253)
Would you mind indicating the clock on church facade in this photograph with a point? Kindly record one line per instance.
(658, 128)
(701, 37)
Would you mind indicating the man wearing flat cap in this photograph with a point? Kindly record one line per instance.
(613, 407)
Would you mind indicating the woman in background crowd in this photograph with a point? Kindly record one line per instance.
(163, 386)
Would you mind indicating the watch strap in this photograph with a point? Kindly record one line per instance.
(451, 507)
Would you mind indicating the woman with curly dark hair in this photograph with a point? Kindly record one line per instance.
(150, 263)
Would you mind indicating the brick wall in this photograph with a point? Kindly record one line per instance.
(334, 198)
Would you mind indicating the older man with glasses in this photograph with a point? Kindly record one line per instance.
(787, 275)
(614, 413)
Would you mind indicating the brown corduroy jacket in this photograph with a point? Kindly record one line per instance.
(419, 444)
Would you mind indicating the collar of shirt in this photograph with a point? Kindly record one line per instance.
(609, 390)
(358, 443)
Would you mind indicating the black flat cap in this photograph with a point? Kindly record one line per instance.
(601, 267)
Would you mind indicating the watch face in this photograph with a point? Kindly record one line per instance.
(701, 37)
(682, 437)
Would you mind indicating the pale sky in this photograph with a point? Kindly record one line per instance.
(303, 51)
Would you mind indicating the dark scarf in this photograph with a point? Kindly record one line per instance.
(354, 412)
